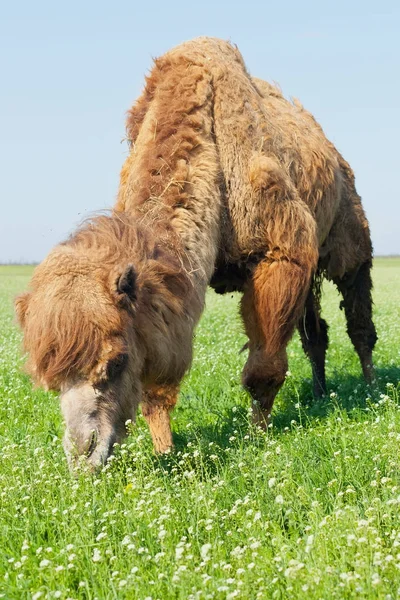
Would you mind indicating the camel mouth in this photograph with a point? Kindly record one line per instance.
(94, 458)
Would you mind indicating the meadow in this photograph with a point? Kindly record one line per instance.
(310, 509)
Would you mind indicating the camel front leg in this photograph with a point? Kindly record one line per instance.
(314, 338)
(272, 303)
(158, 401)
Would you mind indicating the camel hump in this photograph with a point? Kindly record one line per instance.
(204, 48)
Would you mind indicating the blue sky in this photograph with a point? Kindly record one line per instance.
(69, 71)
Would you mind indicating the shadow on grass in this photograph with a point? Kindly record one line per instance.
(213, 434)
(351, 392)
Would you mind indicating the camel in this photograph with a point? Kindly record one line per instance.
(226, 184)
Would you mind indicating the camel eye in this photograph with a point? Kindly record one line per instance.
(116, 366)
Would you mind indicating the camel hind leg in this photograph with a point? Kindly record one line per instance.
(271, 306)
(355, 287)
(314, 338)
(349, 266)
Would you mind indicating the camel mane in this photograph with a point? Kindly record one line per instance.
(74, 318)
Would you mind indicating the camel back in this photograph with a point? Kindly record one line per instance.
(227, 163)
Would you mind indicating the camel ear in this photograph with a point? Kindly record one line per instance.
(126, 283)
(21, 306)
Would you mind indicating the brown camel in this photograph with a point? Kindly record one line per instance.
(226, 183)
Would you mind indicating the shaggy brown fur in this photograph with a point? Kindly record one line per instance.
(75, 319)
(226, 182)
(209, 144)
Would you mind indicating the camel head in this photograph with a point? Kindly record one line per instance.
(78, 324)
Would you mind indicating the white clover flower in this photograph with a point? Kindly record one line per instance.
(389, 558)
(101, 536)
(271, 482)
(350, 539)
(204, 551)
(44, 563)
(279, 499)
(96, 555)
(362, 523)
(375, 579)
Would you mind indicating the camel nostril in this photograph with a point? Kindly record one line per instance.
(92, 443)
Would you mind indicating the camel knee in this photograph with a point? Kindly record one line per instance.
(263, 389)
(364, 340)
(262, 378)
(356, 289)
(157, 404)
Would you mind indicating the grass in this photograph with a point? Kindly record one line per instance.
(309, 510)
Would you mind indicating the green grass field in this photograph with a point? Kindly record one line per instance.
(311, 509)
